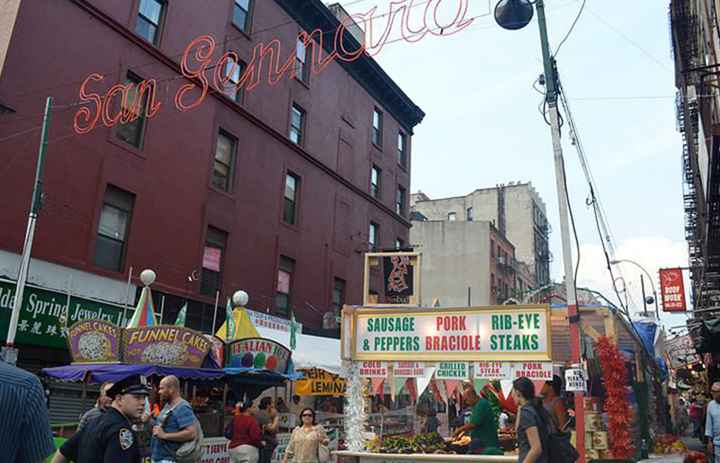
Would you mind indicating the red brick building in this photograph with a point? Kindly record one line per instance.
(277, 191)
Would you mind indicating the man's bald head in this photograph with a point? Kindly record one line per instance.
(169, 388)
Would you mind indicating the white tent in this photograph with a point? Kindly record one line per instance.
(310, 351)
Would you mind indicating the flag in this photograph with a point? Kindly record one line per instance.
(180, 320)
(230, 320)
(293, 331)
(144, 312)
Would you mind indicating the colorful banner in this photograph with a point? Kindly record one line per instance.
(516, 332)
(318, 382)
(452, 370)
(259, 353)
(40, 322)
(409, 369)
(94, 341)
(165, 345)
(373, 369)
(672, 289)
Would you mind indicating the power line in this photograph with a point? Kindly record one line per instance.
(572, 27)
(629, 40)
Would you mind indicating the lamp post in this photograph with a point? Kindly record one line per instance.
(652, 285)
(516, 14)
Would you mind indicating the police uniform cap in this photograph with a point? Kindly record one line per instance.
(135, 384)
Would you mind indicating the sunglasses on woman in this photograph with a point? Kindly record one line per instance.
(307, 415)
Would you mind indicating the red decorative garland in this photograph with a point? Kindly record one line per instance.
(616, 401)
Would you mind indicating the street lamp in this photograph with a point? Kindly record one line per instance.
(512, 15)
(652, 284)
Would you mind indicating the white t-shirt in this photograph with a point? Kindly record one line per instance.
(503, 420)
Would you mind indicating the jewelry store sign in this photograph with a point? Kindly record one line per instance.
(512, 333)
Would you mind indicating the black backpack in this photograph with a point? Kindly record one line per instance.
(556, 444)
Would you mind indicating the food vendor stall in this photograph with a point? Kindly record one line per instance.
(418, 349)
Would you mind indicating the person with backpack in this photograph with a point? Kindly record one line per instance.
(177, 432)
(539, 440)
(531, 424)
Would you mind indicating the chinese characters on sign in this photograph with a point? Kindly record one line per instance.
(672, 290)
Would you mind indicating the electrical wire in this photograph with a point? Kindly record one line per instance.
(572, 27)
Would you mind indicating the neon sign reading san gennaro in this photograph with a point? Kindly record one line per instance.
(265, 66)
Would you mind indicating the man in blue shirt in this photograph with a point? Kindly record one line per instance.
(175, 424)
(25, 435)
(712, 423)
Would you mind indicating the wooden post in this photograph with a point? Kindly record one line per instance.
(610, 330)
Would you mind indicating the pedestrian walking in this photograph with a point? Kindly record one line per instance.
(308, 441)
(695, 412)
(25, 435)
(175, 425)
(102, 403)
(269, 421)
(245, 435)
(553, 402)
(531, 423)
(712, 424)
(110, 438)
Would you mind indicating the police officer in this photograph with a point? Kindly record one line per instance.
(110, 438)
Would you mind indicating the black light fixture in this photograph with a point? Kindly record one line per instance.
(514, 14)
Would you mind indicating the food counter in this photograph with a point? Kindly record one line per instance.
(367, 457)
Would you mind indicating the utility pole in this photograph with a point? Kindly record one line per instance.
(9, 351)
(551, 98)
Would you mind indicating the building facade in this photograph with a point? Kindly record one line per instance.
(277, 190)
(515, 209)
(696, 48)
(466, 263)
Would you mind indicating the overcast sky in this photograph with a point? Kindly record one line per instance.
(483, 126)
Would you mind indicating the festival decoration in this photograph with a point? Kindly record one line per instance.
(616, 403)
(355, 415)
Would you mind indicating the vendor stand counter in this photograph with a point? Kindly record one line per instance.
(367, 457)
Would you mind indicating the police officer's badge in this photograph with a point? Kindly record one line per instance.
(126, 438)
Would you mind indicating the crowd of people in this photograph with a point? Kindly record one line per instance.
(112, 431)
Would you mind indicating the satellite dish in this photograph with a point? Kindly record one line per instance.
(513, 14)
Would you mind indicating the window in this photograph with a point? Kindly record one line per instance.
(150, 14)
(400, 200)
(401, 149)
(212, 261)
(469, 214)
(297, 124)
(377, 127)
(233, 71)
(292, 183)
(132, 132)
(338, 294)
(241, 14)
(284, 285)
(112, 228)
(224, 163)
(452, 216)
(373, 235)
(399, 244)
(375, 182)
(301, 69)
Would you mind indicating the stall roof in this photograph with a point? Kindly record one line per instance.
(98, 373)
(310, 351)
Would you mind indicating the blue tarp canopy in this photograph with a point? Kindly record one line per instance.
(98, 373)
